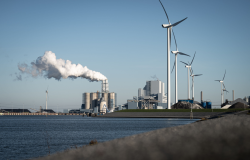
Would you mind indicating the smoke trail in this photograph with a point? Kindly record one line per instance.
(51, 67)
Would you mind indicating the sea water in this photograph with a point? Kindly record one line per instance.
(25, 137)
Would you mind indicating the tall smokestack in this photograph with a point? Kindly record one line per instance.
(201, 96)
(105, 86)
(233, 95)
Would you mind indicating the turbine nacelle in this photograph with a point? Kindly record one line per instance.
(175, 52)
(166, 25)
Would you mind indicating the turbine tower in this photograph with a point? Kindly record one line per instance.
(193, 75)
(224, 90)
(221, 81)
(188, 66)
(175, 66)
(169, 28)
(46, 98)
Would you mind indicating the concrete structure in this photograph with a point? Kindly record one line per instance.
(105, 86)
(153, 88)
(103, 106)
(66, 110)
(85, 101)
(94, 99)
(132, 105)
(152, 94)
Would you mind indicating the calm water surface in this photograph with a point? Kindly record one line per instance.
(24, 137)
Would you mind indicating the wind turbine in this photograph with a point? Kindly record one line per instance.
(224, 90)
(188, 66)
(193, 75)
(175, 65)
(46, 97)
(169, 28)
(221, 81)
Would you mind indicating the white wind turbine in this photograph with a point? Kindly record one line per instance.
(175, 66)
(169, 28)
(222, 83)
(193, 75)
(188, 66)
(224, 90)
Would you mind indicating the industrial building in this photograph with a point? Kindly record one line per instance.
(99, 101)
(152, 96)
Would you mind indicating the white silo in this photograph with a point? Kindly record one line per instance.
(105, 98)
(93, 97)
(111, 101)
(86, 97)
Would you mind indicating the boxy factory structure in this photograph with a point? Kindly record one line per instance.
(152, 96)
(99, 102)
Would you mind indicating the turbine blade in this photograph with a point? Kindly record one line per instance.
(183, 54)
(224, 85)
(224, 76)
(192, 59)
(175, 40)
(175, 24)
(173, 67)
(217, 80)
(184, 63)
(198, 75)
(165, 12)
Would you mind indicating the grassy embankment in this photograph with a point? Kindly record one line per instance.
(181, 110)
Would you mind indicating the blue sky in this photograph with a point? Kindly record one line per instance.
(124, 41)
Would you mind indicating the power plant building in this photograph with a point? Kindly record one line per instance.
(153, 89)
(152, 96)
(98, 99)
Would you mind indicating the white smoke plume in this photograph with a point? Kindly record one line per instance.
(51, 67)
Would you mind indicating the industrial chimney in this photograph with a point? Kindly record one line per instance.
(201, 96)
(233, 95)
(105, 86)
